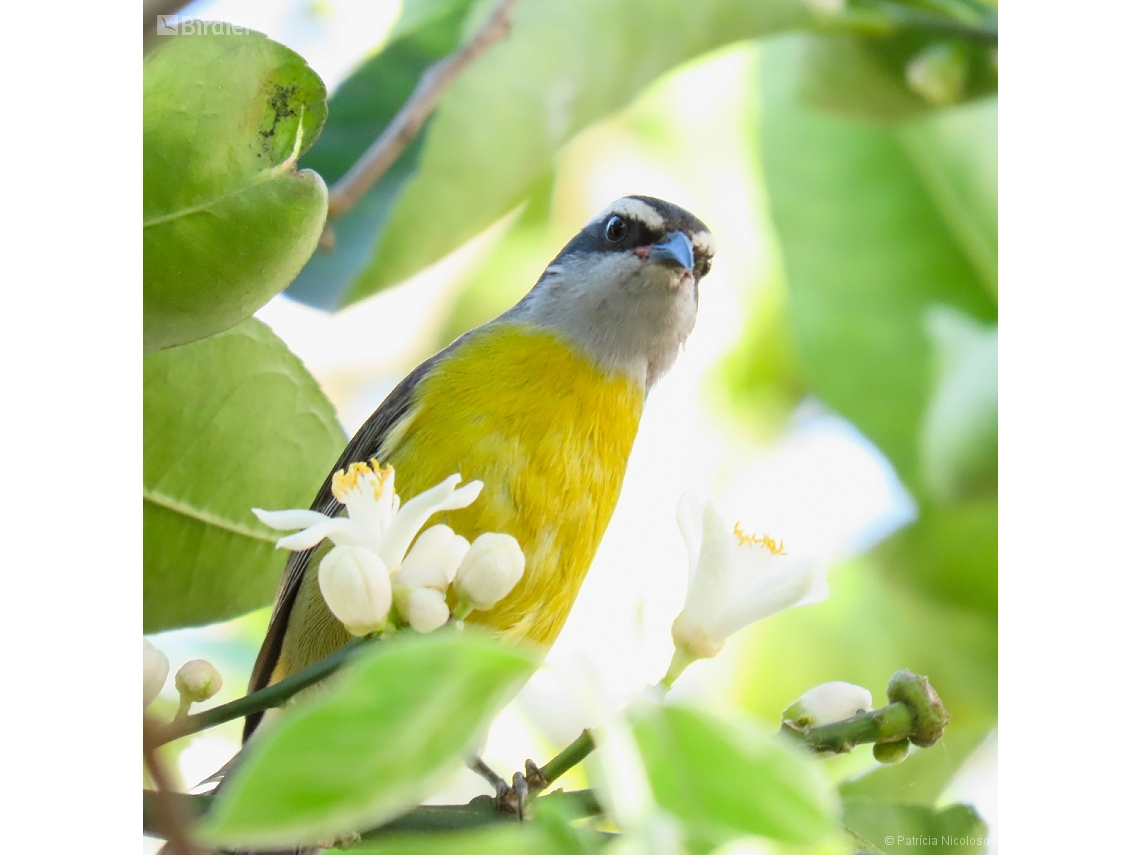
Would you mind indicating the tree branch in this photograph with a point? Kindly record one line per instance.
(477, 813)
(355, 183)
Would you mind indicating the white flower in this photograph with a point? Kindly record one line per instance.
(829, 703)
(372, 545)
(197, 681)
(735, 579)
(375, 518)
(155, 668)
(356, 588)
(489, 571)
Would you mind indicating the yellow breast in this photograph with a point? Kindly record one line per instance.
(546, 432)
(549, 434)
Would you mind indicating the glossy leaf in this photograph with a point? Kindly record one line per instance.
(227, 220)
(955, 153)
(386, 734)
(724, 779)
(229, 423)
(916, 828)
(497, 130)
(959, 438)
(867, 253)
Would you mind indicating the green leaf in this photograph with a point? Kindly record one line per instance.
(921, 778)
(227, 220)
(724, 779)
(907, 828)
(959, 437)
(230, 423)
(955, 153)
(359, 110)
(867, 253)
(386, 734)
(950, 553)
(866, 77)
(498, 129)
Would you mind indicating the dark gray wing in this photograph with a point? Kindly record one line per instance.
(362, 447)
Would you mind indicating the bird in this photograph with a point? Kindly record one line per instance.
(541, 404)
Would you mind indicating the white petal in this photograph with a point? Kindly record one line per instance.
(433, 559)
(356, 587)
(819, 590)
(339, 530)
(410, 518)
(425, 609)
(289, 520)
(710, 585)
(690, 515)
(781, 587)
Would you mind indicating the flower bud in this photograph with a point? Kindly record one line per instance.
(434, 559)
(829, 703)
(425, 609)
(891, 752)
(355, 584)
(155, 668)
(938, 74)
(197, 681)
(491, 568)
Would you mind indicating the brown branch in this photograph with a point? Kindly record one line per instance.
(169, 811)
(355, 183)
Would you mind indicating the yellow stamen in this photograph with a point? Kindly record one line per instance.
(767, 541)
(344, 481)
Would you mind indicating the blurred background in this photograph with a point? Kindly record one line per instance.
(839, 391)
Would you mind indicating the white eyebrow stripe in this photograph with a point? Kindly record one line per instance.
(705, 243)
(635, 209)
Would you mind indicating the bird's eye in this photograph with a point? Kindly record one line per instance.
(616, 229)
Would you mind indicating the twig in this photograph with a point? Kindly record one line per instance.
(563, 762)
(403, 128)
(915, 714)
(167, 809)
(479, 812)
(263, 699)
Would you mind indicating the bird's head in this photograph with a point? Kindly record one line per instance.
(625, 288)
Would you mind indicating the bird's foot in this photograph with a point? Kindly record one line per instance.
(512, 798)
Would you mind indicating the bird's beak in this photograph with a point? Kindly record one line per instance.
(675, 251)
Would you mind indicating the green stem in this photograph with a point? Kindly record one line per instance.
(892, 723)
(479, 812)
(263, 699)
(567, 759)
(680, 661)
